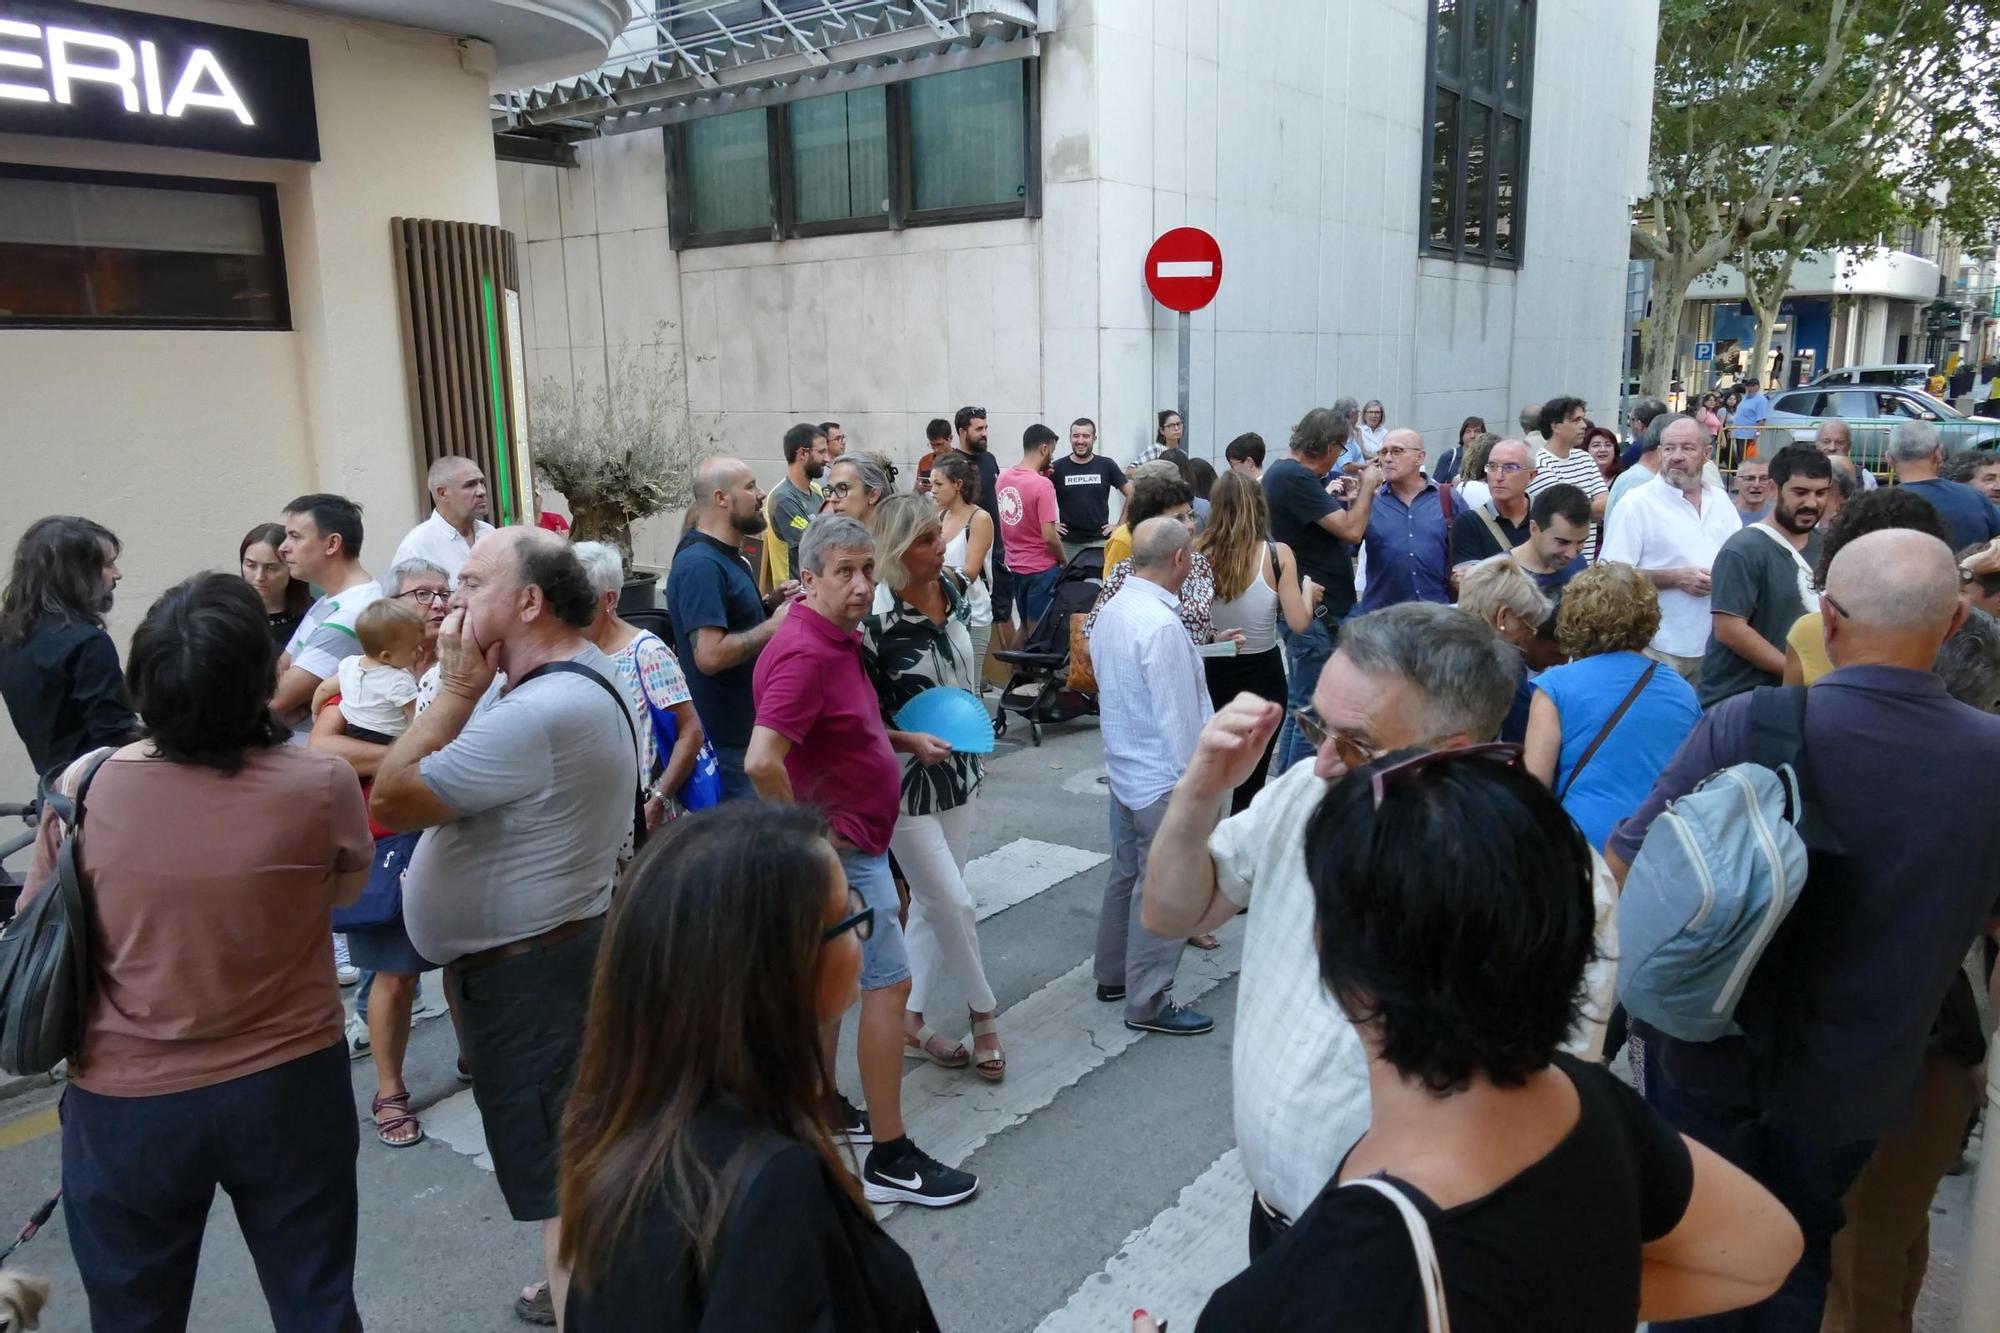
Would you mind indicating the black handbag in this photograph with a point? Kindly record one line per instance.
(45, 953)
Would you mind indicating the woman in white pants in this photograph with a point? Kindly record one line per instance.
(916, 638)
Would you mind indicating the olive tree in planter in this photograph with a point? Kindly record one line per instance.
(619, 451)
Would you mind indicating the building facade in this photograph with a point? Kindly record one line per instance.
(1417, 200)
(200, 314)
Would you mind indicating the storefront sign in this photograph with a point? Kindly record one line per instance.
(86, 72)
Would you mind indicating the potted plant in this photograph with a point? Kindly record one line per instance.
(619, 451)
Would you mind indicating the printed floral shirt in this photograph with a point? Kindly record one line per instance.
(1196, 596)
(906, 653)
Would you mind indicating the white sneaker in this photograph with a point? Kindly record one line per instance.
(357, 1036)
(345, 972)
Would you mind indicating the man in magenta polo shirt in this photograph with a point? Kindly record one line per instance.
(819, 740)
(1028, 528)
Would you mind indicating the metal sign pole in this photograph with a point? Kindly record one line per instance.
(1186, 339)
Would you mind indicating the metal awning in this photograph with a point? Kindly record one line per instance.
(685, 59)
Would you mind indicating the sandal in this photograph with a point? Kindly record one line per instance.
(989, 1065)
(924, 1046)
(399, 1105)
(1205, 942)
(535, 1306)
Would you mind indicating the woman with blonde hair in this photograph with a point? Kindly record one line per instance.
(1502, 594)
(1602, 728)
(1255, 579)
(917, 638)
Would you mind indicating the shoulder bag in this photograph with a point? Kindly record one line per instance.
(45, 951)
(624, 712)
(1430, 1277)
(1610, 725)
(381, 899)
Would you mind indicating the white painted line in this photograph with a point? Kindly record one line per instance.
(1171, 1265)
(455, 1123)
(1053, 1038)
(1184, 268)
(1008, 876)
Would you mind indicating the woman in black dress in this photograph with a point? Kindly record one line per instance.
(700, 1187)
(286, 599)
(1556, 1199)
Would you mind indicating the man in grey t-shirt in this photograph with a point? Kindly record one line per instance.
(526, 798)
(1761, 582)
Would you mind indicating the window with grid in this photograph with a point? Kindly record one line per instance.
(951, 147)
(1482, 81)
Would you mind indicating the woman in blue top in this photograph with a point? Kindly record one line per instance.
(1609, 614)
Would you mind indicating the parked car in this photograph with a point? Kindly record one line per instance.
(1871, 412)
(1902, 374)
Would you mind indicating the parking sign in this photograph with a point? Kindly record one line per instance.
(1704, 351)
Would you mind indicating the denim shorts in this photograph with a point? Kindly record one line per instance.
(1035, 591)
(884, 959)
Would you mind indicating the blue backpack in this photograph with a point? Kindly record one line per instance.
(1716, 876)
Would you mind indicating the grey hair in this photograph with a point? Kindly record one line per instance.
(404, 571)
(897, 522)
(1531, 418)
(1658, 429)
(1913, 441)
(442, 470)
(1156, 541)
(1348, 408)
(1646, 409)
(1498, 583)
(1969, 662)
(1465, 672)
(873, 479)
(1846, 476)
(603, 565)
(832, 532)
(1323, 430)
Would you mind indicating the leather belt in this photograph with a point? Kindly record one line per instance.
(548, 939)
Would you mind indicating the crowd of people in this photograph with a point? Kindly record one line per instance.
(1417, 720)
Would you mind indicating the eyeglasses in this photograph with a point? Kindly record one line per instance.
(1396, 451)
(1500, 751)
(1838, 609)
(840, 490)
(427, 596)
(1351, 752)
(860, 920)
(1503, 469)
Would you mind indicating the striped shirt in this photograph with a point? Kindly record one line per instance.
(1579, 470)
(1152, 692)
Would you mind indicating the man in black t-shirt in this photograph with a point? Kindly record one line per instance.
(1501, 524)
(970, 423)
(1319, 529)
(1084, 481)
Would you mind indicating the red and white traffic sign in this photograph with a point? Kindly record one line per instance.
(1184, 269)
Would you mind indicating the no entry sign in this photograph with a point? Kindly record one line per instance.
(1184, 269)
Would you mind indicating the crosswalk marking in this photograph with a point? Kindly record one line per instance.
(1009, 875)
(1170, 1265)
(1053, 1037)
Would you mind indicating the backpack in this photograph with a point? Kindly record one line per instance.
(45, 963)
(1717, 874)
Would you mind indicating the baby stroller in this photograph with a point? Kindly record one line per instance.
(1038, 687)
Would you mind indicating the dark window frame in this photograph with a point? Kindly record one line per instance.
(784, 224)
(1479, 95)
(269, 216)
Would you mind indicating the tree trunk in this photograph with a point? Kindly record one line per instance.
(1767, 301)
(1659, 341)
(601, 521)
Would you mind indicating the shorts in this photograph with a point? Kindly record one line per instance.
(523, 1020)
(885, 961)
(385, 948)
(1003, 591)
(1036, 591)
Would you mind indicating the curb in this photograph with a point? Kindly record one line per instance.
(13, 1088)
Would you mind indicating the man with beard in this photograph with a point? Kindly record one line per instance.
(1084, 481)
(1762, 580)
(1670, 529)
(795, 499)
(720, 623)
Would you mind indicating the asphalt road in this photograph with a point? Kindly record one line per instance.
(1108, 1177)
